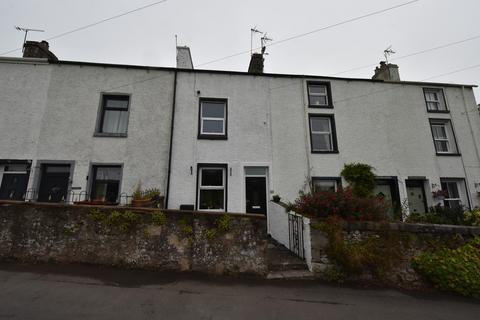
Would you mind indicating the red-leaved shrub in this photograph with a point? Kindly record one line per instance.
(342, 203)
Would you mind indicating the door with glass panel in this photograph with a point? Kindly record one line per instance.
(54, 181)
(256, 190)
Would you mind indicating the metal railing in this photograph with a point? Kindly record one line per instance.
(295, 234)
(73, 197)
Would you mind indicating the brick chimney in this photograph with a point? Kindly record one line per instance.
(35, 49)
(184, 58)
(256, 63)
(387, 71)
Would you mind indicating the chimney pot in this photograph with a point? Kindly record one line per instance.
(184, 58)
(387, 71)
(35, 49)
(256, 63)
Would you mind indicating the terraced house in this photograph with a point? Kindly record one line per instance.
(229, 141)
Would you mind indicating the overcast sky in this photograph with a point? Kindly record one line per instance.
(218, 28)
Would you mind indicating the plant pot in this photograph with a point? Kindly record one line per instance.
(144, 203)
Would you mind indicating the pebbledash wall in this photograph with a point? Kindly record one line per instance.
(382, 123)
(183, 241)
(51, 113)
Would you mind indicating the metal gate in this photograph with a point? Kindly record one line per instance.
(295, 234)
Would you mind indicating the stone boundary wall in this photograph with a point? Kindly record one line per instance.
(423, 237)
(183, 241)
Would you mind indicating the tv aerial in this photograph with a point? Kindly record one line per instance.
(26, 30)
(253, 31)
(264, 41)
(388, 52)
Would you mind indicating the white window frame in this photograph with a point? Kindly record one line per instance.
(449, 137)
(202, 118)
(324, 179)
(222, 187)
(329, 133)
(327, 102)
(439, 102)
(458, 184)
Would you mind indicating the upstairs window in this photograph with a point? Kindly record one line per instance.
(319, 95)
(213, 119)
(114, 115)
(322, 134)
(435, 100)
(211, 188)
(443, 136)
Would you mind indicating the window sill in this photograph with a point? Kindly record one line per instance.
(449, 154)
(314, 106)
(325, 152)
(212, 137)
(438, 111)
(110, 135)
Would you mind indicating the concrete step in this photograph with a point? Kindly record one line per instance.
(282, 259)
(291, 274)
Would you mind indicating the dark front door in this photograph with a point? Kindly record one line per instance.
(13, 186)
(256, 194)
(54, 183)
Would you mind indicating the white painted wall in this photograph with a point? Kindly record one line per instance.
(52, 113)
(277, 223)
(248, 130)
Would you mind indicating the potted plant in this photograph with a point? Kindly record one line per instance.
(147, 198)
(276, 198)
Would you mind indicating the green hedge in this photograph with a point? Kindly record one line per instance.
(456, 270)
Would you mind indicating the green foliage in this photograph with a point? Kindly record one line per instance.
(472, 218)
(373, 254)
(223, 223)
(186, 225)
(211, 233)
(456, 270)
(121, 220)
(138, 194)
(159, 218)
(361, 178)
(445, 215)
(96, 215)
(333, 274)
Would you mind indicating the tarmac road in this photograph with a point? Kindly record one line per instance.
(92, 292)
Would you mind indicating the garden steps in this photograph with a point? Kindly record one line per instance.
(283, 264)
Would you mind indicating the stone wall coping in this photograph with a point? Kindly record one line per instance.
(135, 209)
(407, 227)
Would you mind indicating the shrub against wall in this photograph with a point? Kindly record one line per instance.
(360, 177)
(445, 215)
(455, 270)
(342, 203)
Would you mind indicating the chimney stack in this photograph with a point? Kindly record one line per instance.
(387, 71)
(184, 58)
(35, 49)
(256, 63)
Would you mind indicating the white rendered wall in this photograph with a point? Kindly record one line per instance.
(248, 142)
(66, 101)
(277, 223)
